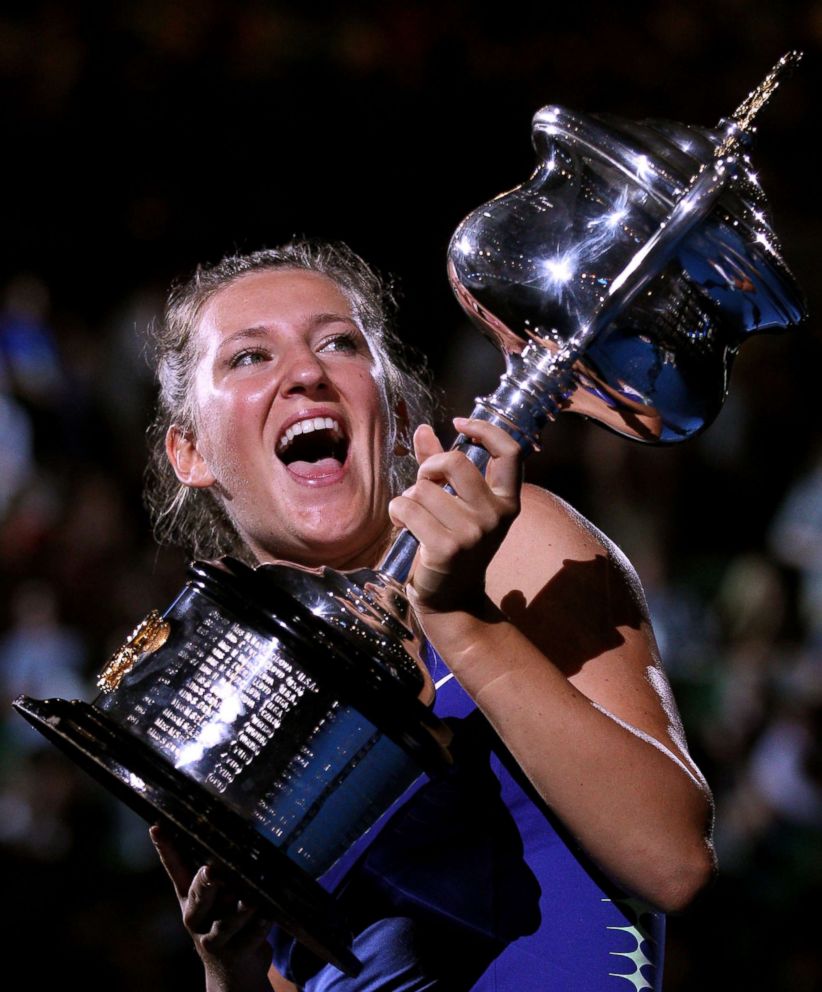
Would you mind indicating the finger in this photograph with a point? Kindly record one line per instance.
(467, 513)
(204, 902)
(497, 442)
(426, 443)
(243, 923)
(463, 477)
(504, 469)
(504, 472)
(415, 516)
(176, 865)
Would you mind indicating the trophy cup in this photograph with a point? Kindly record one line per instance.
(275, 716)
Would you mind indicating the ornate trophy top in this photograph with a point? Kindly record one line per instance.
(639, 256)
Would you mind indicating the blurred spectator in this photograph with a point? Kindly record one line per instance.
(126, 382)
(751, 605)
(795, 538)
(16, 443)
(770, 823)
(29, 365)
(40, 657)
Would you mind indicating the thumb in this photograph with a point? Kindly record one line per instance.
(172, 859)
(426, 443)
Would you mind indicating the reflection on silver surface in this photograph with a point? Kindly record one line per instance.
(270, 694)
(620, 280)
(638, 256)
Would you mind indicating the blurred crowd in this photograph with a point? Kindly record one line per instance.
(731, 565)
(726, 531)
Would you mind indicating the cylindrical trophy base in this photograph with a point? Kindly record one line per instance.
(213, 832)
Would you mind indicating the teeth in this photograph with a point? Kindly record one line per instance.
(306, 427)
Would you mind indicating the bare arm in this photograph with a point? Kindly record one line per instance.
(555, 647)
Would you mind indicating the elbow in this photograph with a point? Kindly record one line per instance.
(684, 879)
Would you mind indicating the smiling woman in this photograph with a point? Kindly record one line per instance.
(573, 816)
(277, 350)
(199, 517)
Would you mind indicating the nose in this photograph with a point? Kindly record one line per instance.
(303, 372)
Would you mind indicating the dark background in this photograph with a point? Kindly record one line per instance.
(143, 138)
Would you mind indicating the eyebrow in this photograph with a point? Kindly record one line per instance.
(257, 331)
(253, 333)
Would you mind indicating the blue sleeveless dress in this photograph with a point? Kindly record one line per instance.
(470, 883)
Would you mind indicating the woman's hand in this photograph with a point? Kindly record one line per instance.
(460, 532)
(229, 935)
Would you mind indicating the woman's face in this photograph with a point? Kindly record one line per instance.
(290, 426)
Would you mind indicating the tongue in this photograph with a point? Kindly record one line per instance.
(315, 470)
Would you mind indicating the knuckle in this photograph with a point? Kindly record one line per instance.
(210, 941)
(449, 547)
(475, 531)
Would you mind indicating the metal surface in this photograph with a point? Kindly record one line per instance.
(206, 828)
(638, 257)
(272, 716)
(621, 279)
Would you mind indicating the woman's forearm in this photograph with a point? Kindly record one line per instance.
(632, 798)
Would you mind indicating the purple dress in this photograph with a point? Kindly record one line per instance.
(470, 883)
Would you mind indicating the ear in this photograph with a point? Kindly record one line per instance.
(189, 465)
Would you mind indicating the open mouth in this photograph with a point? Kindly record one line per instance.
(314, 447)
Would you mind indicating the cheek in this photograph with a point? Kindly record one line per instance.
(226, 420)
(379, 435)
(375, 402)
(220, 441)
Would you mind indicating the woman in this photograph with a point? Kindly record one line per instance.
(575, 815)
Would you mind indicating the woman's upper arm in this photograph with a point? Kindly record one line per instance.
(577, 598)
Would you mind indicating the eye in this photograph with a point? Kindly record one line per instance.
(248, 356)
(344, 342)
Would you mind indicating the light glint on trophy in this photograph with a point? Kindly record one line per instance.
(274, 716)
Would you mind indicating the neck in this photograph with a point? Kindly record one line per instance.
(344, 560)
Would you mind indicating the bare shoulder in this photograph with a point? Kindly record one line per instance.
(574, 595)
(571, 591)
(550, 537)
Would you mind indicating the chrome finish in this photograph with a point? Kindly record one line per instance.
(639, 256)
(276, 685)
(271, 716)
(620, 280)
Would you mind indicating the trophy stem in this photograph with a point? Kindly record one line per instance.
(535, 387)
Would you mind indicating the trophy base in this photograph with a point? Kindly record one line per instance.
(214, 832)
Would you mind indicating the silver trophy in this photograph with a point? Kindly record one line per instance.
(275, 716)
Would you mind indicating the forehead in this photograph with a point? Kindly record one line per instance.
(270, 296)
